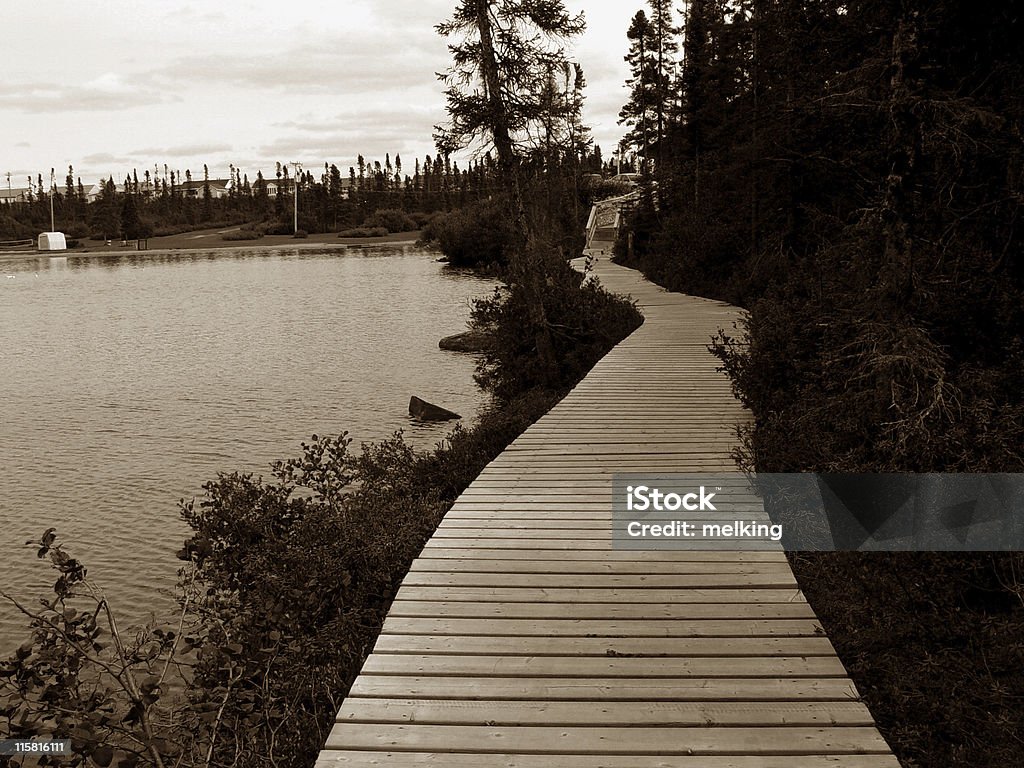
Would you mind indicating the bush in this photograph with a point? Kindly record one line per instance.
(301, 234)
(278, 228)
(391, 219)
(12, 229)
(78, 677)
(585, 321)
(479, 234)
(77, 231)
(363, 232)
(421, 218)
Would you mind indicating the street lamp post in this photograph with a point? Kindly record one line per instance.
(296, 169)
(53, 188)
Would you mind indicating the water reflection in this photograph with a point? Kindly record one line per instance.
(130, 379)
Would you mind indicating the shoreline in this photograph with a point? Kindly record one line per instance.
(189, 242)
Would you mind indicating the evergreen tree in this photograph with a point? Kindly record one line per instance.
(131, 225)
(663, 32)
(70, 197)
(504, 52)
(261, 197)
(642, 108)
(207, 209)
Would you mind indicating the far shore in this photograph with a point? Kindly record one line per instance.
(208, 239)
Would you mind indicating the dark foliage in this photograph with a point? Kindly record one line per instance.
(477, 235)
(391, 219)
(586, 321)
(851, 173)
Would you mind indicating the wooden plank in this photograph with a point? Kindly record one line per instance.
(605, 689)
(604, 714)
(604, 646)
(569, 545)
(677, 668)
(681, 567)
(565, 627)
(372, 758)
(633, 596)
(603, 556)
(608, 581)
(581, 567)
(602, 611)
(636, 740)
(447, 759)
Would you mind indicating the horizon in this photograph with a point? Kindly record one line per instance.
(193, 92)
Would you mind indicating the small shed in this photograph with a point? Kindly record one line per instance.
(52, 241)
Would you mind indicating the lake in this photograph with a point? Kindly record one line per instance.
(126, 382)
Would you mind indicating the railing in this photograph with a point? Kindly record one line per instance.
(606, 217)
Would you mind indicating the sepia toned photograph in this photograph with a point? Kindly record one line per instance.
(512, 384)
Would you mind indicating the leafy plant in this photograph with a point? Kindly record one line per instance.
(82, 678)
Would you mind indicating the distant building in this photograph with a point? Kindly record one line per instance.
(92, 192)
(219, 188)
(14, 195)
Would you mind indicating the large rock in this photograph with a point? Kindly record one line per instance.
(469, 341)
(424, 411)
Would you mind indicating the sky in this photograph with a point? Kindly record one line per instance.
(114, 85)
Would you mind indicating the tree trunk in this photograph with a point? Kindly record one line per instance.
(527, 258)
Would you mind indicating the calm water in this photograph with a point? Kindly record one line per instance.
(126, 382)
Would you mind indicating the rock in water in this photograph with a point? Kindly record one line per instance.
(469, 341)
(424, 411)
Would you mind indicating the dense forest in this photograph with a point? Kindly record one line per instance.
(852, 173)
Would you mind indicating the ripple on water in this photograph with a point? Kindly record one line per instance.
(130, 381)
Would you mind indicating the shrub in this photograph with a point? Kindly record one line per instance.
(422, 218)
(278, 228)
(585, 321)
(363, 232)
(391, 219)
(80, 678)
(77, 231)
(479, 234)
(301, 234)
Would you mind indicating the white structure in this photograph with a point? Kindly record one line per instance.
(52, 241)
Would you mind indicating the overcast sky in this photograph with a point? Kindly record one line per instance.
(112, 85)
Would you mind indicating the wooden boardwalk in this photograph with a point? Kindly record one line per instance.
(521, 639)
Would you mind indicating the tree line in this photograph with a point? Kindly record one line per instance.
(329, 201)
(853, 174)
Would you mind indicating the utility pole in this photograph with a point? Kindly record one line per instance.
(296, 169)
(53, 188)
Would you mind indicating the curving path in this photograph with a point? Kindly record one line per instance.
(520, 639)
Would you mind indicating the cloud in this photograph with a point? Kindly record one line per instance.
(107, 92)
(183, 150)
(105, 158)
(373, 130)
(361, 64)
